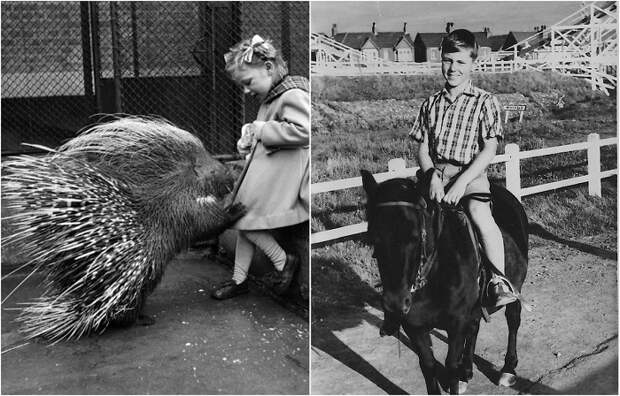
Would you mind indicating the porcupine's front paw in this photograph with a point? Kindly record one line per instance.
(236, 211)
(218, 217)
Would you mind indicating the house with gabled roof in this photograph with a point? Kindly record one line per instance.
(363, 42)
(428, 45)
(390, 46)
(496, 43)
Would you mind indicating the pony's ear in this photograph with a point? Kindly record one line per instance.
(368, 181)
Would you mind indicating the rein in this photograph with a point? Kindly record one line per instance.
(426, 261)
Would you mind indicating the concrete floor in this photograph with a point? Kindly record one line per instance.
(246, 345)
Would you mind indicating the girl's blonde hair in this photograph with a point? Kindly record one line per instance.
(255, 51)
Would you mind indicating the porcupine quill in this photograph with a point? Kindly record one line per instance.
(103, 215)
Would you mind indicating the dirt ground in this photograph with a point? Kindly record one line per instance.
(246, 345)
(568, 344)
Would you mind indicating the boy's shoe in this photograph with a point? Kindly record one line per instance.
(287, 274)
(230, 289)
(500, 293)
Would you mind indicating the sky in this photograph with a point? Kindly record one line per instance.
(426, 16)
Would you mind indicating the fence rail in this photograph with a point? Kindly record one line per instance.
(512, 158)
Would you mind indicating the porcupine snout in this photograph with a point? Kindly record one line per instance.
(214, 175)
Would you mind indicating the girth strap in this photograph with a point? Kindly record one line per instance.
(399, 203)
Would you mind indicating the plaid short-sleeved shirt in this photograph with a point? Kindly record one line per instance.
(456, 130)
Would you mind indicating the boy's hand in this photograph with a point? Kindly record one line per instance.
(436, 191)
(456, 192)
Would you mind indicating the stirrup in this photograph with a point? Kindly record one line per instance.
(512, 290)
(504, 280)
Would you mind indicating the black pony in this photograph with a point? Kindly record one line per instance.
(430, 266)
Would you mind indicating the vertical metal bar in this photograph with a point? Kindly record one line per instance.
(134, 40)
(285, 31)
(214, 105)
(118, 108)
(96, 52)
(203, 13)
(87, 65)
(212, 46)
(236, 14)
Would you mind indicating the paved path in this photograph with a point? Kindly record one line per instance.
(568, 344)
(249, 344)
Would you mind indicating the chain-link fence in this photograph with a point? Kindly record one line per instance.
(65, 62)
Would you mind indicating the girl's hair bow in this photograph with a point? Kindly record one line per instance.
(249, 52)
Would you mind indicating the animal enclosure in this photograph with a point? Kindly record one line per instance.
(66, 62)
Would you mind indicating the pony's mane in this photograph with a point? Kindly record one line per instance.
(398, 189)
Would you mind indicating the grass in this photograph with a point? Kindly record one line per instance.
(349, 89)
(368, 143)
(346, 104)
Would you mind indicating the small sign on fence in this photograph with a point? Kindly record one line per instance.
(508, 108)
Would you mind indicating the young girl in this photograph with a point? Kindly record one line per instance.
(275, 189)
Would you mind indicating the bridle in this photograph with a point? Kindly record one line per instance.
(426, 260)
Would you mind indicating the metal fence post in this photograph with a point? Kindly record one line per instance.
(116, 56)
(513, 170)
(284, 28)
(96, 52)
(86, 49)
(594, 164)
(134, 39)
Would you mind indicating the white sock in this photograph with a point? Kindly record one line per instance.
(244, 251)
(268, 244)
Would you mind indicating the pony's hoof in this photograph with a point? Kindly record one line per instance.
(507, 379)
(462, 387)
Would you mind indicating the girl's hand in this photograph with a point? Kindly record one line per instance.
(456, 192)
(436, 191)
(244, 144)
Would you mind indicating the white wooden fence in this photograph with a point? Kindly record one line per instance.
(512, 158)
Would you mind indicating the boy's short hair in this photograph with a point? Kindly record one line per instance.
(260, 52)
(460, 39)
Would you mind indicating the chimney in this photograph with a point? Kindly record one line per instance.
(449, 27)
(374, 29)
(486, 31)
(405, 28)
(334, 30)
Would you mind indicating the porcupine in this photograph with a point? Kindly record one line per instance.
(104, 214)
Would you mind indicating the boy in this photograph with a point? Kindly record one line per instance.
(458, 129)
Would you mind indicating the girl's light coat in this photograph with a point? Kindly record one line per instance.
(276, 188)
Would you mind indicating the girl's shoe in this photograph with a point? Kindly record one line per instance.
(230, 289)
(287, 274)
